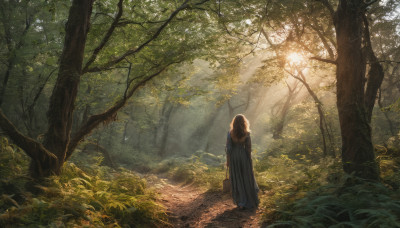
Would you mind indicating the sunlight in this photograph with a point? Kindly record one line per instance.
(295, 58)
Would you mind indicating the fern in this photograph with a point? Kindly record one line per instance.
(362, 205)
(97, 197)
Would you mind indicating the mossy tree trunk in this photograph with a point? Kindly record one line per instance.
(64, 94)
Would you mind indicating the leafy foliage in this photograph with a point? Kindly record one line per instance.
(101, 197)
(302, 192)
(208, 74)
(365, 204)
(284, 180)
(201, 169)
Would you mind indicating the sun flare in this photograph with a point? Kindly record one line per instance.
(295, 58)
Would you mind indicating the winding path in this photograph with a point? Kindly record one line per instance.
(191, 207)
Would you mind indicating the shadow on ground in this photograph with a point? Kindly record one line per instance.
(191, 207)
(233, 217)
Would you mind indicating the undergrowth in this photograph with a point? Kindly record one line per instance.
(195, 170)
(302, 193)
(362, 204)
(296, 191)
(283, 181)
(100, 197)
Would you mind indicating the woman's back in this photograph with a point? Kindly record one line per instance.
(243, 184)
(239, 152)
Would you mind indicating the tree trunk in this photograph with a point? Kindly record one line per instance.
(164, 127)
(42, 160)
(59, 143)
(323, 124)
(12, 50)
(64, 93)
(202, 132)
(278, 128)
(375, 73)
(232, 109)
(389, 121)
(125, 135)
(357, 150)
(3, 86)
(94, 146)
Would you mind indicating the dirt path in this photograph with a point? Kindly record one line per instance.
(192, 207)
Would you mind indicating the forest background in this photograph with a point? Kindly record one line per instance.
(96, 94)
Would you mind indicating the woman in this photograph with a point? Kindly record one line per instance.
(238, 150)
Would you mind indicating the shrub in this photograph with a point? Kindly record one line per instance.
(361, 204)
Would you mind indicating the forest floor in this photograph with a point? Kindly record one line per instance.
(188, 206)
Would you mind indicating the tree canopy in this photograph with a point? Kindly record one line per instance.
(152, 86)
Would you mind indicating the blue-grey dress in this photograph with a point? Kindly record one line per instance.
(243, 184)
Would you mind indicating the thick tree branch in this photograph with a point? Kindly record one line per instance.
(266, 36)
(295, 76)
(375, 73)
(317, 29)
(183, 6)
(123, 22)
(31, 147)
(95, 120)
(38, 93)
(105, 38)
(324, 60)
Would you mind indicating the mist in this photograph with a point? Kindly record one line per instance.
(117, 113)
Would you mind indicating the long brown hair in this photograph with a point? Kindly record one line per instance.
(240, 128)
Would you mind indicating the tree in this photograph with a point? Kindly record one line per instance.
(28, 35)
(13, 44)
(324, 126)
(342, 31)
(385, 39)
(304, 23)
(48, 157)
(292, 94)
(354, 102)
(296, 71)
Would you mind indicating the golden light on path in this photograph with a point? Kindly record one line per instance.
(295, 58)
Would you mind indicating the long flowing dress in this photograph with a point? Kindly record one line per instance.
(243, 184)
